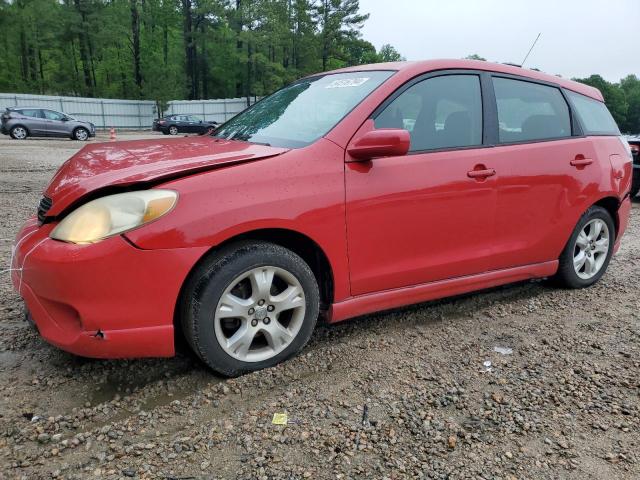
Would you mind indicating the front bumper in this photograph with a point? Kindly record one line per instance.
(105, 300)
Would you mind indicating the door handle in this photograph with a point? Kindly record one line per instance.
(581, 161)
(484, 173)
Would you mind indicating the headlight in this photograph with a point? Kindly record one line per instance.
(114, 214)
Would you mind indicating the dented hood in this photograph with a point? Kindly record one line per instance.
(102, 165)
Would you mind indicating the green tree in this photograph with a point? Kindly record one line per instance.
(388, 53)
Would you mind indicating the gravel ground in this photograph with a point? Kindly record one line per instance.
(394, 395)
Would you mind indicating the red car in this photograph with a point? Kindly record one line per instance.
(345, 193)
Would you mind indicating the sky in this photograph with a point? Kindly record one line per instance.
(578, 37)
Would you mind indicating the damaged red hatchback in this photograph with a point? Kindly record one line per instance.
(344, 193)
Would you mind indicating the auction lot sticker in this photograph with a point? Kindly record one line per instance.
(347, 82)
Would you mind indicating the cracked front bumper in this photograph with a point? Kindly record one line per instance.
(105, 300)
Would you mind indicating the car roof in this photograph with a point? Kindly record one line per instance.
(419, 67)
(20, 107)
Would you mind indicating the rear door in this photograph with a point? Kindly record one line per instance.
(546, 172)
(34, 121)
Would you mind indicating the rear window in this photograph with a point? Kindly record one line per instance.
(594, 115)
(529, 111)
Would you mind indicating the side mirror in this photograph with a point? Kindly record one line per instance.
(385, 142)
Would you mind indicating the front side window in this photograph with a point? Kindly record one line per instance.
(301, 113)
(594, 115)
(51, 115)
(439, 112)
(530, 111)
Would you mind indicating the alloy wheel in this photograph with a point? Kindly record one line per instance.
(259, 314)
(81, 134)
(591, 249)
(173, 130)
(19, 133)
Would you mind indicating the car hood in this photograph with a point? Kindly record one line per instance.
(104, 165)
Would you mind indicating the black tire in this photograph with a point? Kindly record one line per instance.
(635, 186)
(165, 132)
(81, 134)
(210, 279)
(566, 275)
(173, 130)
(18, 128)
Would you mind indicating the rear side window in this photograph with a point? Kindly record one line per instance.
(28, 112)
(530, 111)
(439, 112)
(594, 115)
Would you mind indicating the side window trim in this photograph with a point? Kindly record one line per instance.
(486, 132)
(576, 128)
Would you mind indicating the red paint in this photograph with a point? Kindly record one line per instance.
(395, 228)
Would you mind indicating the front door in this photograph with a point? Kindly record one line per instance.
(55, 124)
(429, 215)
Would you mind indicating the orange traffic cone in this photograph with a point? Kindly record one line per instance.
(112, 134)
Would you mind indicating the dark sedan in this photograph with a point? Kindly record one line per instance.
(175, 124)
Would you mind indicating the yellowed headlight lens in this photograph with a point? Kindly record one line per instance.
(114, 214)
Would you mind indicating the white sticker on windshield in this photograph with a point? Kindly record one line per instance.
(347, 82)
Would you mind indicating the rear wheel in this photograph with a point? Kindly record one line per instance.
(249, 306)
(19, 132)
(173, 130)
(588, 252)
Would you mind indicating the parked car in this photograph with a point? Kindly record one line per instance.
(23, 122)
(174, 124)
(634, 142)
(345, 193)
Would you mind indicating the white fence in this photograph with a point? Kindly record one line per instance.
(128, 114)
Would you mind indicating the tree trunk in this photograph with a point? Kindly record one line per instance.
(204, 73)
(24, 56)
(249, 73)
(135, 38)
(189, 49)
(165, 44)
(84, 49)
(239, 44)
(325, 36)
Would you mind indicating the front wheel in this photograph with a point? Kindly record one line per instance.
(81, 134)
(587, 254)
(249, 306)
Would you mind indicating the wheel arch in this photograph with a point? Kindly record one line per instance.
(610, 204)
(302, 245)
(20, 125)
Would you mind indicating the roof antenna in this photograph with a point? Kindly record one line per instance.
(534, 44)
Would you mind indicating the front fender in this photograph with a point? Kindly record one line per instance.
(301, 191)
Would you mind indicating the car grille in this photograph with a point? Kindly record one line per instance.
(43, 208)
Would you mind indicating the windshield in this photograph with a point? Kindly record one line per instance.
(300, 113)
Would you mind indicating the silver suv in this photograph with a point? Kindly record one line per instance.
(22, 122)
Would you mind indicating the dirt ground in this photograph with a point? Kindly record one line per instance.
(393, 395)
